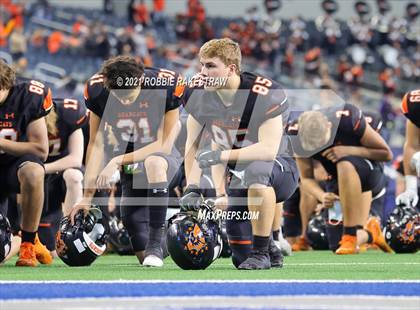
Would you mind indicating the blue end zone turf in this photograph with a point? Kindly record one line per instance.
(23, 290)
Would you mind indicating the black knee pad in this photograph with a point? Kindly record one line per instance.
(240, 240)
(137, 225)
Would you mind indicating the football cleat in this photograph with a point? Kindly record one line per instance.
(257, 260)
(348, 245)
(374, 228)
(301, 245)
(27, 256)
(276, 254)
(154, 257)
(284, 246)
(43, 255)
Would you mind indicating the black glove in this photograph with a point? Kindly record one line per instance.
(192, 199)
(208, 158)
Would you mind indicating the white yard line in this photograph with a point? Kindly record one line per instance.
(352, 302)
(306, 264)
(122, 281)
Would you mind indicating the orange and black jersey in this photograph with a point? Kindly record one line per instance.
(374, 120)
(257, 100)
(137, 124)
(411, 106)
(348, 126)
(71, 115)
(25, 103)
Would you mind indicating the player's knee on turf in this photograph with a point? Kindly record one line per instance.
(72, 177)
(32, 175)
(156, 167)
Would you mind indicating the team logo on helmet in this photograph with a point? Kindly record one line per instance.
(196, 243)
(408, 234)
(60, 245)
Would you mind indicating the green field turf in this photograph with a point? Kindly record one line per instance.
(315, 265)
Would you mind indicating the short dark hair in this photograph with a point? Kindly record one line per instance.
(117, 69)
(7, 76)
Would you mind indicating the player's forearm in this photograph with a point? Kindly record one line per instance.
(169, 137)
(372, 154)
(312, 187)
(192, 169)
(94, 164)
(140, 154)
(69, 161)
(22, 148)
(218, 173)
(408, 153)
(257, 151)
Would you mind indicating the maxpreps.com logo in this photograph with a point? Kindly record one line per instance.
(218, 214)
(196, 243)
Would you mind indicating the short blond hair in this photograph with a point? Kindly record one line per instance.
(313, 129)
(7, 76)
(227, 50)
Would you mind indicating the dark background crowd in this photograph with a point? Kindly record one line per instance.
(370, 59)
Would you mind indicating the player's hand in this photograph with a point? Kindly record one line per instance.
(328, 199)
(221, 202)
(318, 209)
(335, 153)
(1, 143)
(408, 198)
(415, 163)
(105, 178)
(82, 205)
(192, 199)
(207, 159)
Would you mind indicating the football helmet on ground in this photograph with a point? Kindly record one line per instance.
(5, 237)
(402, 230)
(80, 244)
(194, 243)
